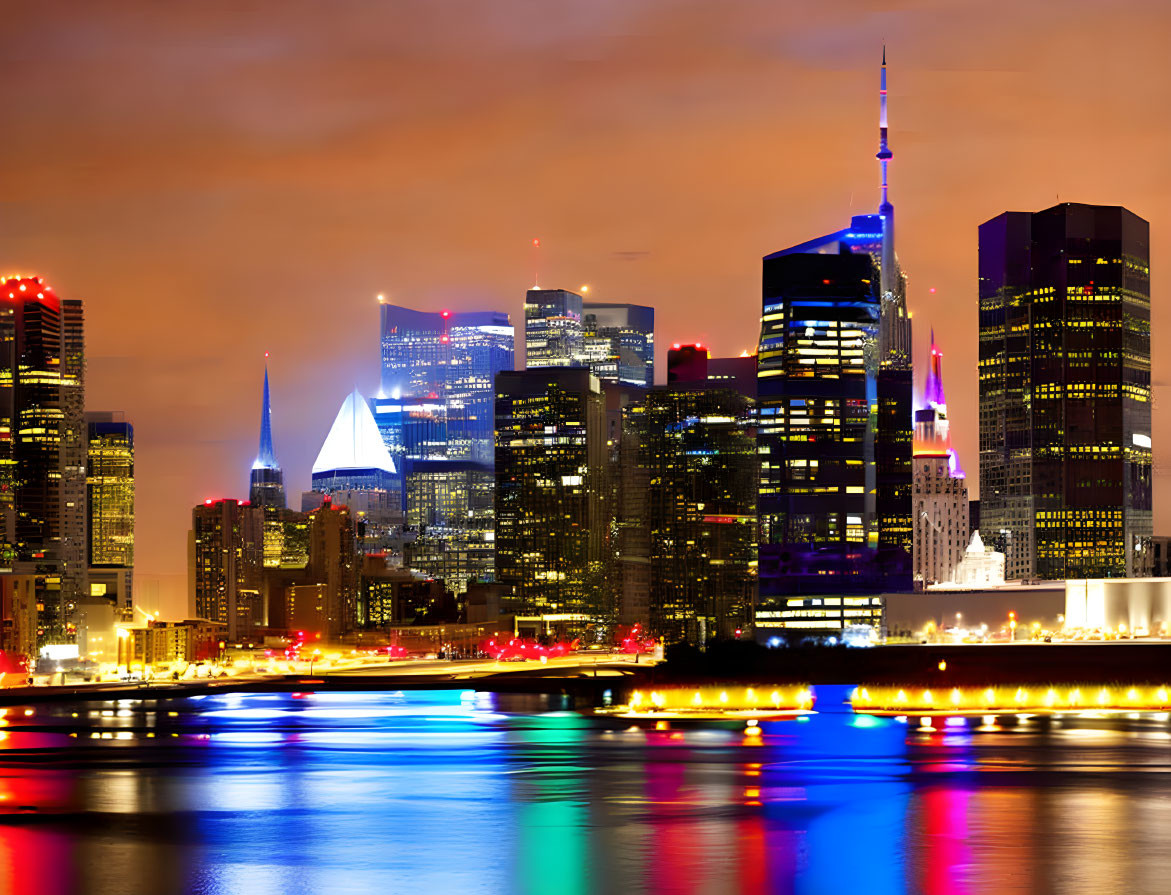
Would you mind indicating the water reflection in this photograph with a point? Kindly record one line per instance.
(444, 792)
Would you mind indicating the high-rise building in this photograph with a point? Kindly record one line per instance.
(835, 420)
(696, 501)
(551, 515)
(1065, 391)
(411, 352)
(618, 342)
(451, 358)
(940, 491)
(817, 386)
(333, 565)
(451, 510)
(110, 485)
(553, 329)
(267, 480)
(225, 565)
(43, 447)
(436, 414)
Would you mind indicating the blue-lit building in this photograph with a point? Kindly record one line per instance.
(835, 422)
(435, 417)
(266, 485)
(451, 358)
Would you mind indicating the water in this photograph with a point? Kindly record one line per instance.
(444, 793)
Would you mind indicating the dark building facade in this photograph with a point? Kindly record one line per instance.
(835, 420)
(1065, 391)
(551, 485)
(817, 387)
(692, 490)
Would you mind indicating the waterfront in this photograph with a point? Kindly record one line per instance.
(446, 792)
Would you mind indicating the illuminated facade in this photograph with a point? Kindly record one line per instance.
(940, 496)
(551, 516)
(696, 500)
(225, 565)
(553, 329)
(450, 505)
(111, 490)
(1065, 391)
(619, 342)
(43, 447)
(110, 487)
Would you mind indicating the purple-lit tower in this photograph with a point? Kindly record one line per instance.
(267, 480)
(940, 491)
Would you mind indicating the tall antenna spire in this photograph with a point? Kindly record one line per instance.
(884, 153)
(885, 209)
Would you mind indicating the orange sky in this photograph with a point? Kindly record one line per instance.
(218, 179)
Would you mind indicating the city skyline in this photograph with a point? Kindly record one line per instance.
(193, 402)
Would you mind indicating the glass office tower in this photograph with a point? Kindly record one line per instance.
(553, 329)
(817, 382)
(692, 492)
(619, 342)
(1065, 391)
(551, 483)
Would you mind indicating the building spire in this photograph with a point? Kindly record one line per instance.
(884, 154)
(887, 275)
(934, 390)
(266, 459)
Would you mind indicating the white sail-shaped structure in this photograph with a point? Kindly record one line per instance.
(354, 453)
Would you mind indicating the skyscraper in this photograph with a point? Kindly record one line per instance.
(439, 429)
(817, 386)
(619, 342)
(1065, 390)
(940, 491)
(110, 482)
(43, 446)
(835, 433)
(696, 501)
(267, 480)
(553, 329)
(551, 516)
(225, 568)
(452, 358)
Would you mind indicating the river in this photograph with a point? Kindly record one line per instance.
(444, 792)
